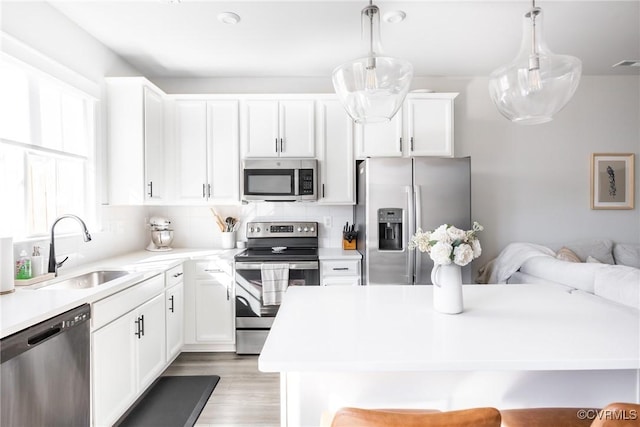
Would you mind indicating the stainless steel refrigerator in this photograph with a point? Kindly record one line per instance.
(396, 196)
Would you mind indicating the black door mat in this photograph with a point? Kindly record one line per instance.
(171, 402)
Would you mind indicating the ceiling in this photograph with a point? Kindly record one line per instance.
(164, 38)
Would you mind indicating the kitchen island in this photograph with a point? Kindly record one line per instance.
(513, 346)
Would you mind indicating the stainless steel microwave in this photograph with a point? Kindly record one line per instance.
(279, 180)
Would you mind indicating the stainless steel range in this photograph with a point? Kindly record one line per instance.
(288, 248)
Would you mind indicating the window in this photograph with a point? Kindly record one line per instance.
(47, 146)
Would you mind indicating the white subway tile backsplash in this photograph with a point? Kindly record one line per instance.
(196, 227)
(125, 228)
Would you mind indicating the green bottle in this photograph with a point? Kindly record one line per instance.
(23, 266)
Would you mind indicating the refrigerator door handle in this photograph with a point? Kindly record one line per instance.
(408, 232)
(418, 209)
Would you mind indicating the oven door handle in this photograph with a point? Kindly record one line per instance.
(302, 265)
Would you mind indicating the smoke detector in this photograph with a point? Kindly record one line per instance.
(229, 18)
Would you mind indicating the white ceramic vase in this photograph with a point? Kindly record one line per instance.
(447, 288)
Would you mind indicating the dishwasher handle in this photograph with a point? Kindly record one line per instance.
(38, 338)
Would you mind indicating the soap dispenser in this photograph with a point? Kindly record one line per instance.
(23, 266)
(37, 262)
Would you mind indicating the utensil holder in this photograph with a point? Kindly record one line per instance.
(228, 239)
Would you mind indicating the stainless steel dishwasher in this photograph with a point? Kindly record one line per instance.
(44, 373)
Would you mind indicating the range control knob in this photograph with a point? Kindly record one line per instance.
(299, 229)
(250, 229)
(312, 229)
(257, 229)
(306, 229)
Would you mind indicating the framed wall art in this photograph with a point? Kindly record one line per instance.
(612, 179)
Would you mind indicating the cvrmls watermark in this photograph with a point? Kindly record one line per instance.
(607, 414)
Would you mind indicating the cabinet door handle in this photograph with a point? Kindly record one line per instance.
(142, 324)
(228, 296)
(138, 332)
(322, 190)
(281, 146)
(411, 143)
(171, 308)
(208, 270)
(276, 145)
(178, 274)
(340, 268)
(209, 190)
(150, 185)
(400, 145)
(203, 193)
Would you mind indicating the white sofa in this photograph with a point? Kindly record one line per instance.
(599, 267)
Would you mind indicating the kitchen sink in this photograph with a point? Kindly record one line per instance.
(88, 280)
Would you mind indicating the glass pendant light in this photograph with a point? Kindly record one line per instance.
(372, 88)
(538, 83)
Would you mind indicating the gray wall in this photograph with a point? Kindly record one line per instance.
(532, 183)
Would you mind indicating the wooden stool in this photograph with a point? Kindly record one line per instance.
(476, 417)
(547, 417)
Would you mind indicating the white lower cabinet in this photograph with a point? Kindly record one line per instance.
(174, 308)
(340, 272)
(150, 340)
(209, 307)
(128, 347)
(114, 370)
(128, 354)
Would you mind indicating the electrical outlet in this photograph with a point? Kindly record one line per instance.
(327, 220)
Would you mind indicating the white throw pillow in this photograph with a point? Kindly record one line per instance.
(600, 249)
(575, 274)
(593, 260)
(619, 283)
(627, 254)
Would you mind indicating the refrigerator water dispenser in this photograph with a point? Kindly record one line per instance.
(390, 229)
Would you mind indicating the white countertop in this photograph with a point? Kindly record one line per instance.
(26, 307)
(337, 253)
(503, 327)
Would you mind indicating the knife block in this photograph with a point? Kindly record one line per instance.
(348, 245)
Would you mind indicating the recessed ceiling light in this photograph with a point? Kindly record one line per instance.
(229, 18)
(628, 63)
(394, 16)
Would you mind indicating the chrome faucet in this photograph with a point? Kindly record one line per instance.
(53, 265)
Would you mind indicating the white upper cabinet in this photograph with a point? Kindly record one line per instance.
(335, 153)
(380, 139)
(429, 124)
(206, 149)
(154, 168)
(135, 128)
(278, 128)
(423, 127)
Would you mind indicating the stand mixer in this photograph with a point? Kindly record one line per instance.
(161, 234)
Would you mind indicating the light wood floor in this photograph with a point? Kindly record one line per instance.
(244, 396)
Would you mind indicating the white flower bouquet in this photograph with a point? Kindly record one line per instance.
(447, 244)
